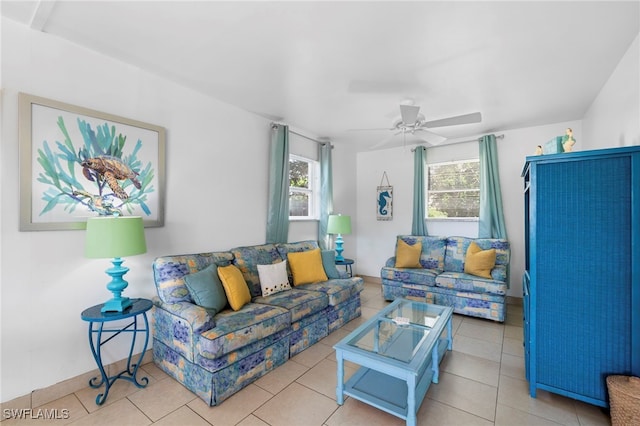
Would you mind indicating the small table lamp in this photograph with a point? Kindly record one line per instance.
(115, 237)
(339, 224)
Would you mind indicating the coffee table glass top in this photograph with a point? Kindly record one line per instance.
(401, 332)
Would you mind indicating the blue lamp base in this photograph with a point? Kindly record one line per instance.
(339, 248)
(117, 286)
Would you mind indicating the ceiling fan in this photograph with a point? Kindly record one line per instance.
(414, 123)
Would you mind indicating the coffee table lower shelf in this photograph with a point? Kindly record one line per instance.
(389, 393)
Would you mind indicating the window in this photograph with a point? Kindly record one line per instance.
(304, 192)
(453, 189)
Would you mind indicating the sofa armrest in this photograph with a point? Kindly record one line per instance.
(391, 262)
(499, 273)
(178, 324)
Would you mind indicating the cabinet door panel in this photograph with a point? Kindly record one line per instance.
(583, 273)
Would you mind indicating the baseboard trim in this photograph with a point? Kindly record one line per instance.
(369, 279)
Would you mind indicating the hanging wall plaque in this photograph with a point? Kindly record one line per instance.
(384, 199)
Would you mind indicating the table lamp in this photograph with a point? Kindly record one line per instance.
(115, 237)
(339, 224)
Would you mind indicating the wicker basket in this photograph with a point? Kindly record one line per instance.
(624, 399)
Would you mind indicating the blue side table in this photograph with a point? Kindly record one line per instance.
(96, 320)
(347, 265)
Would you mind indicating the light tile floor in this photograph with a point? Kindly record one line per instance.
(481, 383)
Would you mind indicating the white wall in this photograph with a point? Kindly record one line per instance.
(216, 199)
(376, 239)
(613, 119)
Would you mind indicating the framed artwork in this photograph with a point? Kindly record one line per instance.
(384, 200)
(76, 163)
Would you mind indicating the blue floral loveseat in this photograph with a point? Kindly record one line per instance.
(217, 355)
(440, 277)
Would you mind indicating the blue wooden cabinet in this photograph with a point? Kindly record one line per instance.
(581, 284)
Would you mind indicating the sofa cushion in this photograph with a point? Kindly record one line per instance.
(306, 267)
(297, 247)
(235, 286)
(285, 248)
(470, 283)
(299, 303)
(247, 260)
(408, 256)
(169, 272)
(433, 250)
(337, 291)
(479, 262)
(457, 247)
(206, 289)
(420, 277)
(273, 278)
(236, 329)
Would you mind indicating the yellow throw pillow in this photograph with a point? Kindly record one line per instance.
(479, 262)
(408, 256)
(306, 267)
(235, 286)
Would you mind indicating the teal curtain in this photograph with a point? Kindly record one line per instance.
(419, 227)
(326, 194)
(278, 210)
(491, 223)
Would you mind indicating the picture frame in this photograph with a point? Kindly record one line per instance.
(384, 203)
(77, 163)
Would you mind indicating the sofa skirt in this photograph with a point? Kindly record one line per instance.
(487, 306)
(344, 312)
(392, 290)
(215, 387)
(307, 332)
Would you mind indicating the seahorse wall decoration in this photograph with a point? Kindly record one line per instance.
(382, 202)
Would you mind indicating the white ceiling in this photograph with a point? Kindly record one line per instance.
(328, 67)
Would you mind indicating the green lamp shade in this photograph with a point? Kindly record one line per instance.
(339, 224)
(114, 236)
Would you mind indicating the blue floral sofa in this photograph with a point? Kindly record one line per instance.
(216, 356)
(441, 278)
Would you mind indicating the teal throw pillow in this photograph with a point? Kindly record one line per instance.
(206, 289)
(329, 264)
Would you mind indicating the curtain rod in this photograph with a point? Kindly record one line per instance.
(275, 126)
(453, 143)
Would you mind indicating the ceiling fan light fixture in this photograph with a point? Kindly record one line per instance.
(409, 113)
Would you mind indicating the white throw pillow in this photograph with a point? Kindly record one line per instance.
(273, 278)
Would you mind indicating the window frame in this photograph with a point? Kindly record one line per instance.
(313, 191)
(427, 191)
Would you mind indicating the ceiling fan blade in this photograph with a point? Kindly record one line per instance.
(430, 137)
(409, 113)
(475, 117)
(370, 129)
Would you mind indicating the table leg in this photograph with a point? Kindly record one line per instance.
(435, 367)
(411, 401)
(96, 351)
(449, 334)
(340, 378)
(132, 369)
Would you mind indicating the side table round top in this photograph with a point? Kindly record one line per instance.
(93, 314)
(344, 262)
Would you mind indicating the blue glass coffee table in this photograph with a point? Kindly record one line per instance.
(399, 351)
